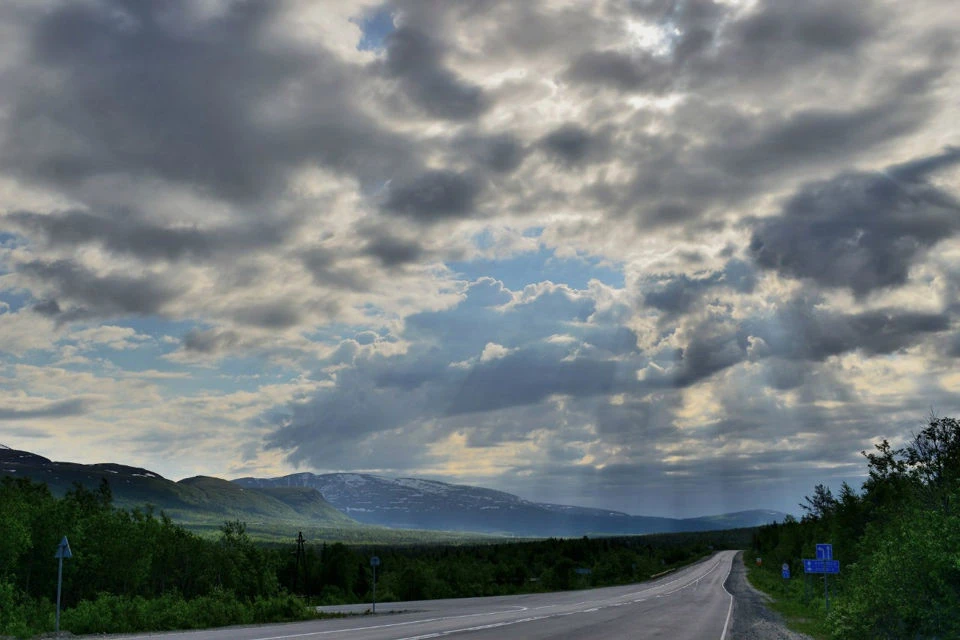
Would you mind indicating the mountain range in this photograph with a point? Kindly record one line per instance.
(428, 504)
(346, 500)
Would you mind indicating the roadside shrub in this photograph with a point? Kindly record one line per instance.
(20, 616)
(123, 614)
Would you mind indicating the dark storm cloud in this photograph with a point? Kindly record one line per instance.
(416, 59)
(627, 73)
(675, 294)
(143, 90)
(272, 315)
(126, 233)
(210, 341)
(500, 153)
(61, 409)
(704, 355)
(814, 134)
(529, 376)
(571, 144)
(391, 250)
(434, 196)
(97, 296)
(323, 266)
(49, 308)
(818, 25)
(800, 331)
(861, 231)
(711, 42)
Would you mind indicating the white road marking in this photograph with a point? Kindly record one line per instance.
(730, 608)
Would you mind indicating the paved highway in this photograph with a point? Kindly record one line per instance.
(690, 604)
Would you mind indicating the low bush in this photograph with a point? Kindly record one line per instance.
(123, 614)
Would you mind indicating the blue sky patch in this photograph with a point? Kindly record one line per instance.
(530, 268)
(376, 26)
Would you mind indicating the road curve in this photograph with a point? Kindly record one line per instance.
(690, 604)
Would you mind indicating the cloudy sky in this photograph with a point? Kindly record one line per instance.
(672, 257)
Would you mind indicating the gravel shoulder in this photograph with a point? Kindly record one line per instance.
(752, 619)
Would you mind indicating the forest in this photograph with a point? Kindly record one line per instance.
(135, 570)
(897, 540)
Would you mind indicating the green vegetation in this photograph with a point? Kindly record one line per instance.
(334, 574)
(898, 541)
(136, 571)
(130, 570)
(802, 612)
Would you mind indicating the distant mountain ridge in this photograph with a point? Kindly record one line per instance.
(429, 504)
(192, 500)
(352, 500)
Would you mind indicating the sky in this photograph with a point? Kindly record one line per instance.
(671, 257)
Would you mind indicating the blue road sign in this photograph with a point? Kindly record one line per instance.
(785, 572)
(821, 566)
(63, 549)
(374, 561)
(824, 552)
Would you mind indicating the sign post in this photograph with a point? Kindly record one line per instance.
(824, 564)
(63, 551)
(374, 562)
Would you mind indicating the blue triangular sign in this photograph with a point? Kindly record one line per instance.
(63, 549)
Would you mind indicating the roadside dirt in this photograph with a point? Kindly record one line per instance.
(752, 619)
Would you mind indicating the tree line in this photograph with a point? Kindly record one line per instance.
(897, 538)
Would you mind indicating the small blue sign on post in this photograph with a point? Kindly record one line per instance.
(785, 571)
(824, 564)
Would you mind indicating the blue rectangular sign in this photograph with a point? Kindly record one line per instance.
(824, 552)
(821, 566)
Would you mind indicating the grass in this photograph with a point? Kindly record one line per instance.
(803, 611)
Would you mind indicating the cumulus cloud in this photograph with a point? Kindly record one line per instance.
(862, 231)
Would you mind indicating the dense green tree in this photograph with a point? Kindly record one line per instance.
(898, 540)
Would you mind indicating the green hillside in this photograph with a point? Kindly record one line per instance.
(194, 501)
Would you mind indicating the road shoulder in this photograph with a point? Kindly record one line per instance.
(752, 619)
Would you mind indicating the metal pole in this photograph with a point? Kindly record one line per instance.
(826, 594)
(59, 583)
(374, 589)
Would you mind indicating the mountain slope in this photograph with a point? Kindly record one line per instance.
(428, 504)
(192, 500)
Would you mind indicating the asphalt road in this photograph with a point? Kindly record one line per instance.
(690, 604)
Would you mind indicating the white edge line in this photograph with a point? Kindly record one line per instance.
(730, 608)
